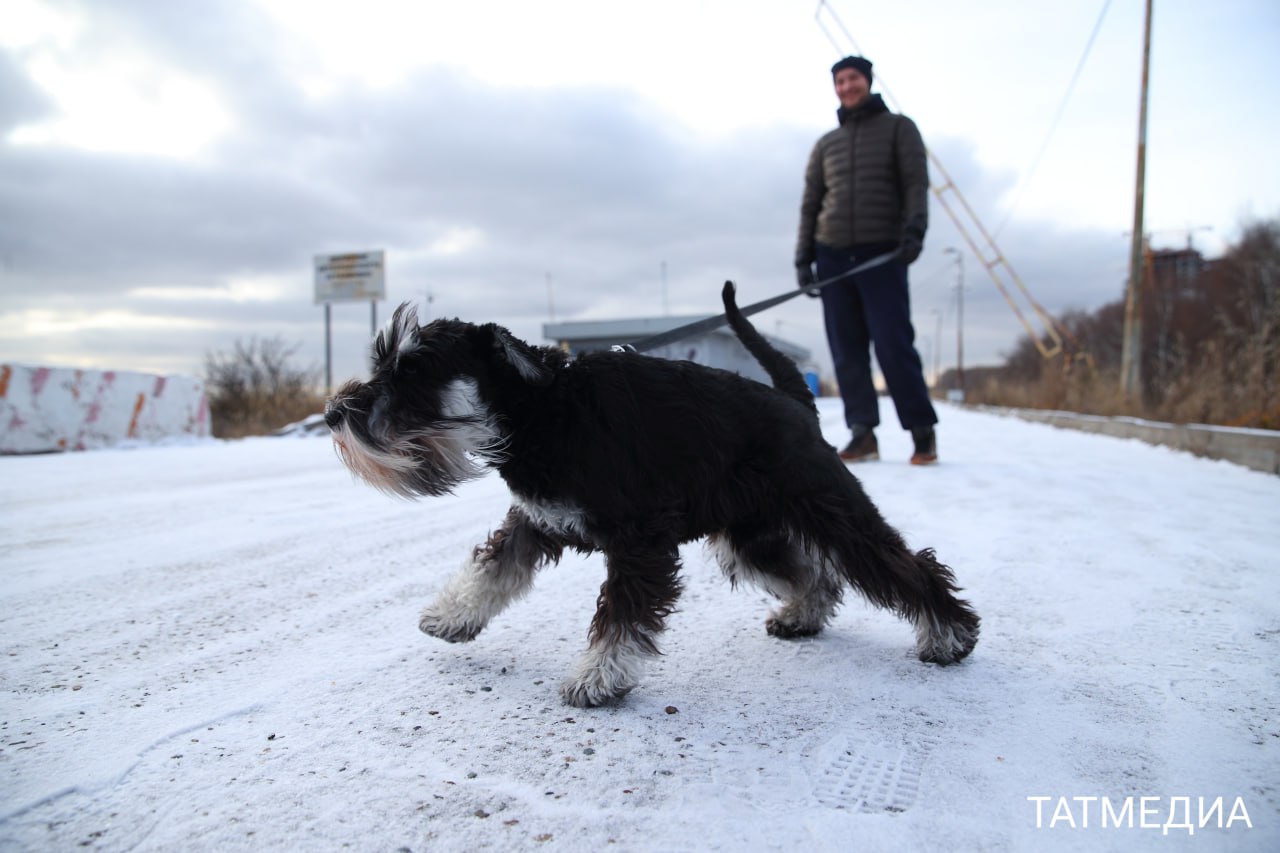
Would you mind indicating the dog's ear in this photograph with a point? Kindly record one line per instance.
(510, 350)
(401, 333)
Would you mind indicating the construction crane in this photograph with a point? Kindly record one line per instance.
(1190, 231)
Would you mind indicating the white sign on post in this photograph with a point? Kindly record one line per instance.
(353, 277)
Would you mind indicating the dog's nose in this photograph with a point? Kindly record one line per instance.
(333, 416)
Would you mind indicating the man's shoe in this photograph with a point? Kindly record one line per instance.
(863, 447)
(926, 446)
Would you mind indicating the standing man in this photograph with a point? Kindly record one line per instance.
(866, 192)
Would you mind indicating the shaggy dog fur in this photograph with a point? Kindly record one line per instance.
(632, 456)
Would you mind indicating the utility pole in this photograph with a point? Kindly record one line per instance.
(666, 308)
(1131, 350)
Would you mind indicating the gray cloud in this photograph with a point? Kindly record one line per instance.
(595, 187)
(20, 100)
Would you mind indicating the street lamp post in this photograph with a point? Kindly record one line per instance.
(937, 351)
(959, 321)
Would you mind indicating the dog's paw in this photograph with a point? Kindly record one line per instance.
(437, 624)
(946, 643)
(606, 673)
(589, 692)
(786, 629)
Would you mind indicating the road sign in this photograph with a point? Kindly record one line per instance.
(353, 277)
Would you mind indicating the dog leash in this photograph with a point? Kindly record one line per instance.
(699, 326)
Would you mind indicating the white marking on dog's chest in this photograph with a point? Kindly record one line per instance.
(460, 399)
(556, 516)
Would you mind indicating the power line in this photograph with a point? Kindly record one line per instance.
(1053, 127)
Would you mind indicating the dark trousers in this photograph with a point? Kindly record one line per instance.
(873, 307)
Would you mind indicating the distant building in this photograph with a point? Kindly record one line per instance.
(1176, 272)
(718, 348)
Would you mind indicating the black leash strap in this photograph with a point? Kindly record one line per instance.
(700, 326)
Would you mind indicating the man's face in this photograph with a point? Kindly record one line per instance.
(851, 87)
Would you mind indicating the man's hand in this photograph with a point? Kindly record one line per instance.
(912, 244)
(805, 280)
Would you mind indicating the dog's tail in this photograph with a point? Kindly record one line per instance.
(782, 371)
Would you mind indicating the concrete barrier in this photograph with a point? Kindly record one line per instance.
(46, 409)
(1258, 449)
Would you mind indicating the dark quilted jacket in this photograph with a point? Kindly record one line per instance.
(866, 182)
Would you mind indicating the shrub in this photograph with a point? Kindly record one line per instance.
(255, 390)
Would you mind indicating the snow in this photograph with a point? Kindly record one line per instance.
(214, 646)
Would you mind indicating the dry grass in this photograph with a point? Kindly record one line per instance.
(261, 414)
(1235, 387)
(1232, 388)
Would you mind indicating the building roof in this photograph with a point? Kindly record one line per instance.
(633, 329)
(629, 328)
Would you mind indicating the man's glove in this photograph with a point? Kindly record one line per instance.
(912, 244)
(806, 281)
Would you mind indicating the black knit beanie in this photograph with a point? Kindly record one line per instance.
(857, 63)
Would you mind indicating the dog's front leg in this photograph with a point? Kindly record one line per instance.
(498, 572)
(640, 592)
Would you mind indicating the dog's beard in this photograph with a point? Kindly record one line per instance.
(429, 461)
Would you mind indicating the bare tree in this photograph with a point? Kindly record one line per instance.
(1211, 346)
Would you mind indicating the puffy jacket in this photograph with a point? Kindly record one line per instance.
(867, 182)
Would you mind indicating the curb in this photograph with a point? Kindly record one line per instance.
(1258, 449)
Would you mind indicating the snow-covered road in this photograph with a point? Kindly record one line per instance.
(214, 646)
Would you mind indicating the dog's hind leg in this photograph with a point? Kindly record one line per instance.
(946, 627)
(773, 560)
(878, 564)
(635, 600)
(498, 572)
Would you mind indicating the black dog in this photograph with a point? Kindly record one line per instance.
(632, 456)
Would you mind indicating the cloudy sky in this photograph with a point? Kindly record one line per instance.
(169, 168)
